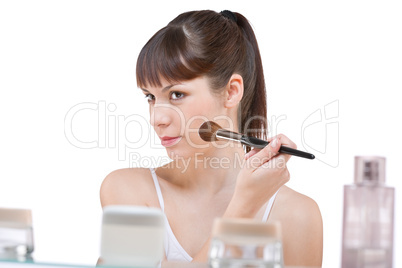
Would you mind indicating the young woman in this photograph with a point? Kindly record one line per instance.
(206, 66)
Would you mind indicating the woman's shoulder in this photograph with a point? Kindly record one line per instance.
(291, 203)
(302, 227)
(128, 186)
(290, 195)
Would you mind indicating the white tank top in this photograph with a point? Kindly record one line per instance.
(173, 250)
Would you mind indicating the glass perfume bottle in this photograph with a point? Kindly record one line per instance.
(368, 217)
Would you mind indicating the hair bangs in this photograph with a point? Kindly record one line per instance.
(168, 56)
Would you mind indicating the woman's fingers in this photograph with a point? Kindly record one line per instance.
(271, 150)
(251, 153)
(258, 157)
(279, 165)
(285, 141)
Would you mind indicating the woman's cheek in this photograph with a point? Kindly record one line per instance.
(193, 124)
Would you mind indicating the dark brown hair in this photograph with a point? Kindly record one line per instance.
(207, 43)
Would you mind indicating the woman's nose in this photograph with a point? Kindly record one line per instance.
(160, 115)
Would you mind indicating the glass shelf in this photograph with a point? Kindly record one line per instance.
(14, 263)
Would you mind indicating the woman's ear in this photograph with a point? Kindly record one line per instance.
(234, 91)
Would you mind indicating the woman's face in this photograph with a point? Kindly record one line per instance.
(178, 109)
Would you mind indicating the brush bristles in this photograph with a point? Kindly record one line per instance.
(208, 131)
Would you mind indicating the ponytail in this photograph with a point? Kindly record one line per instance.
(253, 108)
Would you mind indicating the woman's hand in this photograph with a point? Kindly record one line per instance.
(264, 172)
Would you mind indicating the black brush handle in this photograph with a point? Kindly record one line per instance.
(258, 143)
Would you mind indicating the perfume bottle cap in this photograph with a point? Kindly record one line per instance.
(369, 170)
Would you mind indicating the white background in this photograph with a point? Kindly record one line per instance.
(342, 55)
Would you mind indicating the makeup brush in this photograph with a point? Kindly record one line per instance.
(211, 131)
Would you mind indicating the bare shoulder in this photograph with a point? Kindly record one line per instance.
(296, 210)
(302, 228)
(294, 204)
(128, 186)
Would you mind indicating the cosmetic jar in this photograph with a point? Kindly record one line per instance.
(132, 236)
(16, 234)
(246, 243)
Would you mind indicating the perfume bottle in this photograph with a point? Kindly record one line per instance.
(368, 217)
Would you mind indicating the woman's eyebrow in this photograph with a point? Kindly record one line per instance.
(164, 89)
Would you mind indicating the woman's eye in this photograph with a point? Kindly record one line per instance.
(149, 97)
(177, 95)
(174, 96)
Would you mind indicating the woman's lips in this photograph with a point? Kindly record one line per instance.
(169, 141)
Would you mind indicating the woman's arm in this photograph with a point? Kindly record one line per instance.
(263, 174)
(299, 215)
